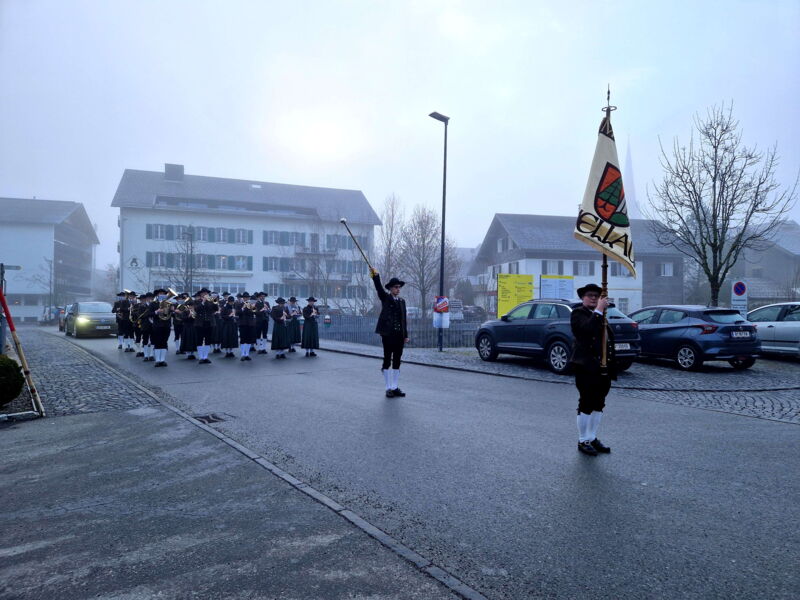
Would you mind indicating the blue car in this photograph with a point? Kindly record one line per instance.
(692, 335)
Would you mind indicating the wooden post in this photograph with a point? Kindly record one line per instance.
(604, 294)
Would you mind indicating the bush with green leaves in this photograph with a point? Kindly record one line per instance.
(11, 379)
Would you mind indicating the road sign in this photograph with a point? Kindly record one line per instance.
(739, 297)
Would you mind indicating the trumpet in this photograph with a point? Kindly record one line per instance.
(165, 306)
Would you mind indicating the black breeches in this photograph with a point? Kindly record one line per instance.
(178, 330)
(247, 334)
(593, 389)
(262, 329)
(125, 328)
(392, 350)
(137, 334)
(159, 337)
(146, 337)
(205, 334)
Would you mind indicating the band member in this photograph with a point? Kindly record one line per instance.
(229, 338)
(124, 323)
(177, 321)
(161, 316)
(204, 310)
(593, 382)
(145, 323)
(246, 315)
(138, 308)
(310, 327)
(393, 329)
(217, 335)
(188, 337)
(116, 310)
(293, 323)
(262, 321)
(280, 332)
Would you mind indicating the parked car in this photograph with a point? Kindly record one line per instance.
(85, 318)
(692, 335)
(541, 328)
(778, 327)
(474, 313)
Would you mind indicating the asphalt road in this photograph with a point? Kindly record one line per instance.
(480, 474)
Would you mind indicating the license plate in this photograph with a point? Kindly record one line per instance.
(103, 327)
(740, 334)
(622, 346)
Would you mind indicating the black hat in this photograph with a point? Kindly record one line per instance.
(130, 293)
(311, 299)
(159, 291)
(261, 294)
(245, 295)
(238, 294)
(280, 300)
(230, 299)
(197, 294)
(226, 293)
(122, 294)
(393, 282)
(292, 299)
(203, 291)
(589, 287)
(146, 295)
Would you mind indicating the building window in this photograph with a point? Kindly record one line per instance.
(552, 267)
(513, 268)
(583, 267)
(242, 263)
(201, 261)
(665, 269)
(271, 289)
(241, 236)
(180, 233)
(615, 269)
(221, 235)
(159, 259)
(201, 234)
(159, 232)
(757, 272)
(623, 305)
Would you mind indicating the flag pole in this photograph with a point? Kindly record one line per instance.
(604, 282)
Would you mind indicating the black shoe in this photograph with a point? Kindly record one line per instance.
(313, 354)
(586, 448)
(119, 347)
(229, 355)
(180, 352)
(399, 392)
(390, 393)
(204, 361)
(600, 446)
(129, 350)
(247, 358)
(243, 358)
(159, 364)
(292, 350)
(191, 357)
(139, 354)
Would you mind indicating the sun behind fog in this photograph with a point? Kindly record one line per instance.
(317, 135)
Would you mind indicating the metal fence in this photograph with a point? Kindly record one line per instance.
(361, 330)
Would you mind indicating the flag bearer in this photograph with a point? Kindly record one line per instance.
(393, 329)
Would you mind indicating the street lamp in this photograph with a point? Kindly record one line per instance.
(445, 120)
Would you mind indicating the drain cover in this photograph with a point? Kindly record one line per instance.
(207, 419)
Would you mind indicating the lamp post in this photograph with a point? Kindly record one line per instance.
(445, 120)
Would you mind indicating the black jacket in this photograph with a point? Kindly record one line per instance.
(205, 313)
(587, 327)
(392, 319)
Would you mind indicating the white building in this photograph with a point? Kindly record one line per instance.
(53, 241)
(189, 231)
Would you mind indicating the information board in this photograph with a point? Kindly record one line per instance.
(512, 290)
(557, 286)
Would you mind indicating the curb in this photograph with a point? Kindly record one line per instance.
(568, 382)
(422, 564)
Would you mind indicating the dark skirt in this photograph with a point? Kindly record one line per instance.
(216, 335)
(294, 331)
(188, 339)
(280, 336)
(310, 335)
(229, 337)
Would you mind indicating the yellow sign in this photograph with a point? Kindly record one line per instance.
(512, 290)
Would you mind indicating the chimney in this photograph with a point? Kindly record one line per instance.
(173, 172)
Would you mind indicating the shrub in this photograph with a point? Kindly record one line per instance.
(11, 379)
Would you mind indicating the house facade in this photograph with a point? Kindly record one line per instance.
(189, 231)
(54, 243)
(543, 246)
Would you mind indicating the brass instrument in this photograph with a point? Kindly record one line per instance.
(166, 304)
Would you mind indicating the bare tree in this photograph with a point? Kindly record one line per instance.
(185, 264)
(419, 252)
(717, 198)
(392, 219)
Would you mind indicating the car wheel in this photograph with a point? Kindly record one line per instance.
(742, 364)
(486, 348)
(688, 358)
(624, 365)
(558, 357)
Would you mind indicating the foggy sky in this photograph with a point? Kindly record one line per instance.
(337, 93)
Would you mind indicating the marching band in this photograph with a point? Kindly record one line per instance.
(212, 323)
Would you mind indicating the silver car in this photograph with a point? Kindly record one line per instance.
(778, 327)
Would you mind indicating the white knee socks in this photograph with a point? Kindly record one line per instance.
(395, 377)
(583, 427)
(387, 378)
(244, 349)
(594, 423)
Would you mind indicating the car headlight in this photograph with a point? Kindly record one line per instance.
(81, 320)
